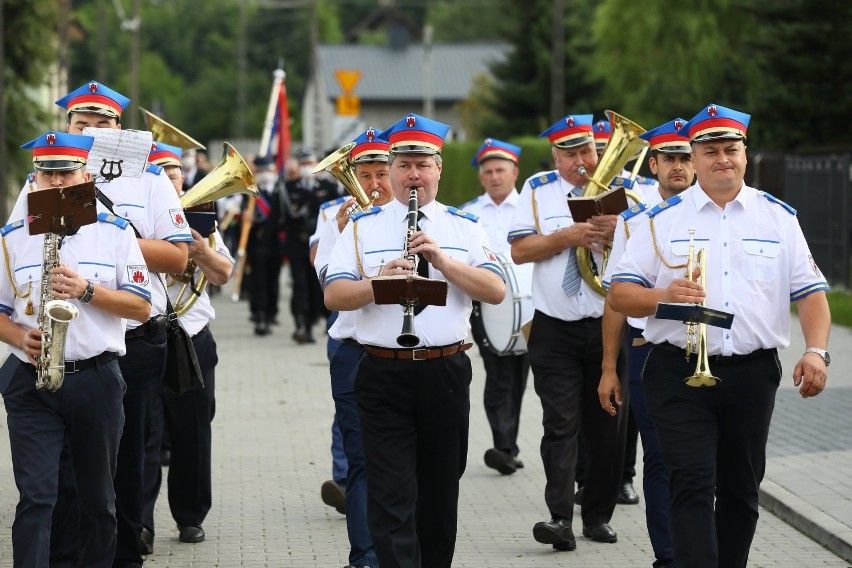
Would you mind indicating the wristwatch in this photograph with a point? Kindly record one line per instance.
(88, 294)
(821, 352)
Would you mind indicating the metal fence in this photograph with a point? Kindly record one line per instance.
(818, 187)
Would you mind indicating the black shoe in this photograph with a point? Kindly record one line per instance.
(334, 495)
(262, 328)
(600, 533)
(191, 534)
(501, 461)
(626, 494)
(578, 497)
(146, 542)
(556, 532)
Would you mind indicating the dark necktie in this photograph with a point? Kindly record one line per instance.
(422, 265)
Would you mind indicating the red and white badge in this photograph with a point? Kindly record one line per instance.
(178, 218)
(489, 254)
(138, 274)
(814, 265)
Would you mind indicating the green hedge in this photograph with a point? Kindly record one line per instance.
(459, 181)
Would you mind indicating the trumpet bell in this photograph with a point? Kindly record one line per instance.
(337, 164)
(231, 175)
(168, 134)
(702, 380)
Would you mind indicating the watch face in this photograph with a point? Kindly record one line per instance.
(827, 359)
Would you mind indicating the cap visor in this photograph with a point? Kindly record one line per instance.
(370, 158)
(711, 136)
(57, 165)
(412, 149)
(575, 142)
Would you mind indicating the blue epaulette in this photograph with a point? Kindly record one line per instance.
(644, 180)
(663, 205)
(777, 201)
(461, 213)
(120, 222)
(11, 227)
(154, 169)
(371, 211)
(471, 202)
(633, 211)
(543, 179)
(333, 202)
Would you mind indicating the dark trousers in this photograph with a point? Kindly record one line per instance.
(344, 367)
(142, 367)
(339, 467)
(188, 418)
(505, 383)
(713, 442)
(566, 364)
(414, 428)
(265, 273)
(306, 304)
(86, 412)
(655, 479)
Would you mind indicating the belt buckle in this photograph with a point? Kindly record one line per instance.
(71, 366)
(423, 350)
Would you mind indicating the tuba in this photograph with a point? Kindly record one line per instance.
(337, 164)
(624, 145)
(232, 175)
(166, 133)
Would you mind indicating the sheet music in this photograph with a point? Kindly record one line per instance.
(118, 152)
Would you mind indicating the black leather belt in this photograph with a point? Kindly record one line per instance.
(84, 364)
(153, 326)
(719, 359)
(350, 342)
(418, 354)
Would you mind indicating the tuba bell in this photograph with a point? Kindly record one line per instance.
(624, 145)
(168, 134)
(231, 175)
(338, 164)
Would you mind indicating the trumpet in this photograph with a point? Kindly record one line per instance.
(407, 337)
(696, 333)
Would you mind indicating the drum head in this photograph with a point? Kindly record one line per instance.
(502, 322)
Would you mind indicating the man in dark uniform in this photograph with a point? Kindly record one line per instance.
(265, 248)
(713, 437)
(301, 205)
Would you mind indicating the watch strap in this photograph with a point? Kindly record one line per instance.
(88, 294)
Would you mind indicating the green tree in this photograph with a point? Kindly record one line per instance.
(468, 21)
(27, 57)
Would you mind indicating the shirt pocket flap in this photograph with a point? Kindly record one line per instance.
(96, 271)
(768, 249)
(130, 211)
(552, 224)
(681, 247)
(375, 258)
(30, 273)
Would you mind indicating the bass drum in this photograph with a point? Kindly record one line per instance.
(498, 327)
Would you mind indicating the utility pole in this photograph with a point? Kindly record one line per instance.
(242, 64)
(557, 62)
(133, 25)
(428, 92)
(4, 186)
(101, 72)
(319, 141)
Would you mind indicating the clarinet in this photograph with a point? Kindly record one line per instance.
(407, 338)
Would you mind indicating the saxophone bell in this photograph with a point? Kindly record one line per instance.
(51, 362)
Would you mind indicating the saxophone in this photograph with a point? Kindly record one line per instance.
(53, 319)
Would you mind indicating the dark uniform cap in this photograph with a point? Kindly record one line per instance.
(95, 98)
(60, 151)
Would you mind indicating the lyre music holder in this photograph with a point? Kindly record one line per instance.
(61, 210)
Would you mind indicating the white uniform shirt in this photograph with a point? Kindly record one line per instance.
(104, 253)
(151, 204)
(201, 312)
(633, 216)
(327, 209)
(344, 325)
(757, 263)
(550, 192)
(381, 236)
(496, 219)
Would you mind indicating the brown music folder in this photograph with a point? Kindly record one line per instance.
(612, 202)
(61, 210)
(409, 289)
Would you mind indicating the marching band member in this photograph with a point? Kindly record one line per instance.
(103, 275)
(413, 404)
(370, 162)
(565, 344)
(188, 416)
(670, 159)
(713, 438)
(505, 375)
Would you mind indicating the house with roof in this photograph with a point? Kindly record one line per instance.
(393, 80)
